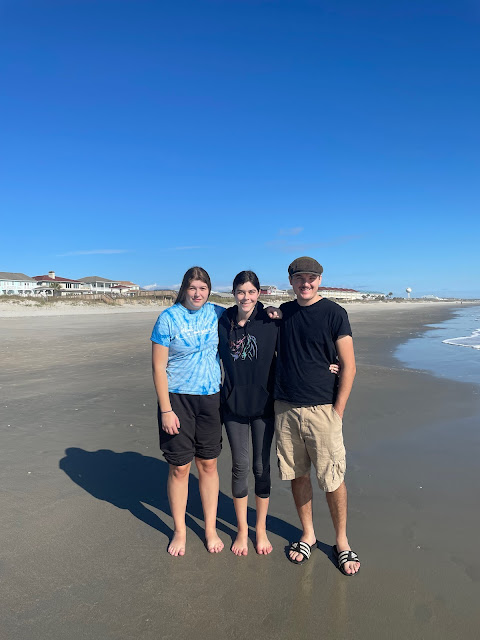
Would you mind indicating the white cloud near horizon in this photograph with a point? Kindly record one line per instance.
(93, 252)
(155, 285)
(223, 288)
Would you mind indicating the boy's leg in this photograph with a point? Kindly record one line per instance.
(337, 503)
(302, 495)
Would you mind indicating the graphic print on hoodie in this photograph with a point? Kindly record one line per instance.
(244, 347)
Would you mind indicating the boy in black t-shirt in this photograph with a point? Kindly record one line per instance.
(309, 406)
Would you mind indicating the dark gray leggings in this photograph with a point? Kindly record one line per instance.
(262, 435)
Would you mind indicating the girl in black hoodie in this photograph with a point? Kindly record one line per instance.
(247, 343)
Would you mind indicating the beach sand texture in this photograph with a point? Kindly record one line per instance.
(85, 521)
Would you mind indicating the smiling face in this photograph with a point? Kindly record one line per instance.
(305, 287)
(196, 294)
(246, 296)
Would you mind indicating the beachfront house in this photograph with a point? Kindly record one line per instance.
(52, 284)
(131, 285)
(271, 290)
(347, 294)
(16, 284)
(101, 285)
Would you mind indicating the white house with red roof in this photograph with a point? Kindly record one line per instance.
(131, 285)
(271, 290)
(52, 284)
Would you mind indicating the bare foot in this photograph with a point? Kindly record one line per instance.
(177, 545)
(297, 555)
(213, 542)
(349, 567)
(240, 546)
(263, 545)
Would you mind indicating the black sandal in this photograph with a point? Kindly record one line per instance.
(345, 556)
(301, 547)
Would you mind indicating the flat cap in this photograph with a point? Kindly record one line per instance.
(305, 265)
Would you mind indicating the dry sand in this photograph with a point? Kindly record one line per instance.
(85, 521)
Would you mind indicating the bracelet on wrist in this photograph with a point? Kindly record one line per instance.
(170, 411)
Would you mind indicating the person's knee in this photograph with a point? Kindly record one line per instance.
(206, 466)
(302, 481)
(179, 472)
(240, 468)
(340, 491)
(260, 470)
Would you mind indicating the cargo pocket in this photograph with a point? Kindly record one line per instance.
(338, 468)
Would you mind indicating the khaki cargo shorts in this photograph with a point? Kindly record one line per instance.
(307, 435)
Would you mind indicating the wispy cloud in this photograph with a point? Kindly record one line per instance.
(294, 231)
(150, 287)
(93, 252)
(302, 247)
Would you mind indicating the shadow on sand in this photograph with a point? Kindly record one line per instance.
(135, 482)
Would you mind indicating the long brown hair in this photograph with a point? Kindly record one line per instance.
(194, 273)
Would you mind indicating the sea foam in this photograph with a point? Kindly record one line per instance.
(472, 341)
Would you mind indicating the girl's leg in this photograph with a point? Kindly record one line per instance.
(262, 435)
(177, 491)
(208, 485)
(237, 433)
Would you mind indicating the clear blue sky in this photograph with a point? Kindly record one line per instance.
(142, 137)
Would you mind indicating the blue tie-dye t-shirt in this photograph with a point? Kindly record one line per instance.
(192, 340)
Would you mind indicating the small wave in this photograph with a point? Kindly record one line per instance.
(472, 341)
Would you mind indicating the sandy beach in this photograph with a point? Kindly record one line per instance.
(85, 520)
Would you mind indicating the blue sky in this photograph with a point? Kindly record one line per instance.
(142, 137)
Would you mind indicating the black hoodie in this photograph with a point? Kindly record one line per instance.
(248, 357)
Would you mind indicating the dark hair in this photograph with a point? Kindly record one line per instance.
(194, 273)
(246, 276)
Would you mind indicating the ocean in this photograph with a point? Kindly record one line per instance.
(450, 349)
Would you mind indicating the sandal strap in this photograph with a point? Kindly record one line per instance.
(301, 547)
(347, 556)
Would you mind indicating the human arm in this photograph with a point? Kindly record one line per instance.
(170, 421)
(346, 357)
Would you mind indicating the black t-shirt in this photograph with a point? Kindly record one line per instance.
(306, 349)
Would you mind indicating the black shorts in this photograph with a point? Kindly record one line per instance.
(200, 433)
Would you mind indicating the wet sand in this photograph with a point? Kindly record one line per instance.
(85, 522)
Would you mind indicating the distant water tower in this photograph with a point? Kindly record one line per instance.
(409, 291)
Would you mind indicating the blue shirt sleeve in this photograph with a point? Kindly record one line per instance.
(161, 333)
